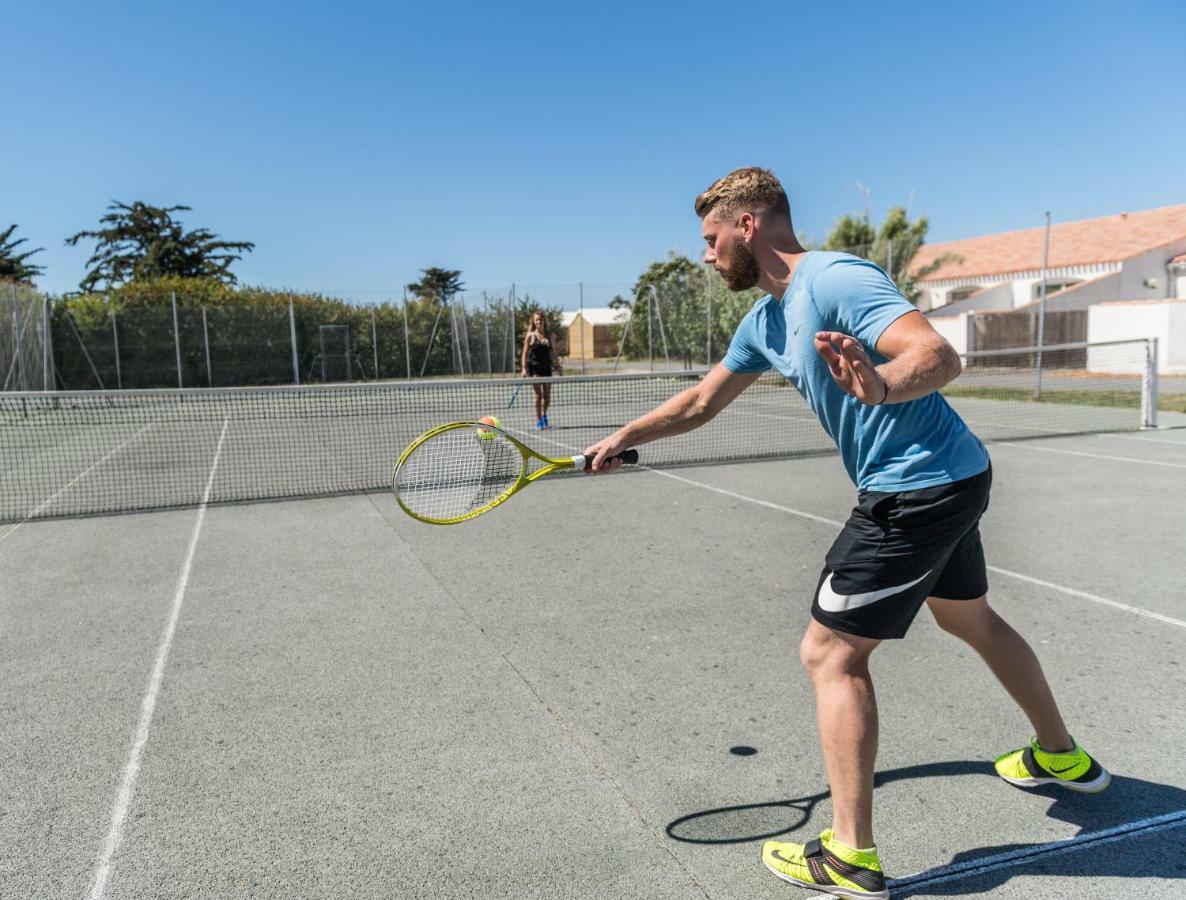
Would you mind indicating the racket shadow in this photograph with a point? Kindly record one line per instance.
(765, 821)
(1129, 804)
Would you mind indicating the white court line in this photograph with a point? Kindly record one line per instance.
(1050, 585)
(1094, 598)
(1129, 459)
(1147, 440)
(753, 500)
(972, 867)
(123, 800)
(76, 479)
(1020, 856)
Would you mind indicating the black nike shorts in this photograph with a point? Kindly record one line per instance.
(899, 548)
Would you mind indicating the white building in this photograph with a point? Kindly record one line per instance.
(1132, 263)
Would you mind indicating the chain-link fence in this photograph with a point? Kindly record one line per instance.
(179, 341)
(26, 356)
(678, 315)
(175, 340)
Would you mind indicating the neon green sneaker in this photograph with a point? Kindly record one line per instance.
(827, 865)
(1031, 766)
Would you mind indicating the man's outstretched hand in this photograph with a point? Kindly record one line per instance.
(851, 367)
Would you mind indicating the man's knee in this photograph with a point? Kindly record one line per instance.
(824, 651)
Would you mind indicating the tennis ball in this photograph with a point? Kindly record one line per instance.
(485, 433)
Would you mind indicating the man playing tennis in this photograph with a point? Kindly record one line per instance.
(870, 366)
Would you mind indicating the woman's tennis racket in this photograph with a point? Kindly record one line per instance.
(458, 471)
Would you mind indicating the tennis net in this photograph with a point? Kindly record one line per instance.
(94, 452)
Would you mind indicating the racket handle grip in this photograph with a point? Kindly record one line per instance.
(628, 458)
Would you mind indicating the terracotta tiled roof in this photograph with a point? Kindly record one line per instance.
(1108, 239)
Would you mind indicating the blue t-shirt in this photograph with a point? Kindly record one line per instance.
(895, 447)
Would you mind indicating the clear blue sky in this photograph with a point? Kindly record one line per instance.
(548, 143)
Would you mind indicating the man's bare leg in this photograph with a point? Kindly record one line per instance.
(1012, 661)
(846, 710)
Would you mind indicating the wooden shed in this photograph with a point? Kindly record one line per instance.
(590, 333)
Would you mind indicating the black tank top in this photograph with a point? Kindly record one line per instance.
(539, 352)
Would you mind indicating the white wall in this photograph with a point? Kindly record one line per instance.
(1175, 350)
(1125, 280)
(1086, 294)
(929, 298)
(955, 330)
(1148, 266)
(1178, 287)
(1164, 320)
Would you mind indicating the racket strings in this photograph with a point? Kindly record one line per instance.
(457, 472)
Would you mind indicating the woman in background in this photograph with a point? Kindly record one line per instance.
(538, 361)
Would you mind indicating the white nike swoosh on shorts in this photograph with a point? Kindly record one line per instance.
(830, 601)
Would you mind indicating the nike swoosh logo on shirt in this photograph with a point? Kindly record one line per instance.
(830, 601)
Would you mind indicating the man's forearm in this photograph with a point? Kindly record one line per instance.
(919, 372)
(681, 413)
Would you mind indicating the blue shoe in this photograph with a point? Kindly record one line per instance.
(539, 425)
(545, 421)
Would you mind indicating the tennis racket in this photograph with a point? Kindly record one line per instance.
(514, 395)
(458, 471)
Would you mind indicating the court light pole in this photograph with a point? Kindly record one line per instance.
(119, 375)
(486, 325)
(407, 342)
(1042, 308)
(581, 307)
(177, 339)
(375, 342)
(292, 339)
(708, 342)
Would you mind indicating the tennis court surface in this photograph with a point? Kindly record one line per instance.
(325, 698)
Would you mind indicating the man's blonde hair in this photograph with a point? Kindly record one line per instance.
(749, 189)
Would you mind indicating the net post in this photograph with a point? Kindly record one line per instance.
(1149, 386)
(177, 339)
(407, 343)
(296, 368)
(206, 344)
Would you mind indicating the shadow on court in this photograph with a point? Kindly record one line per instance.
(1127, 800)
